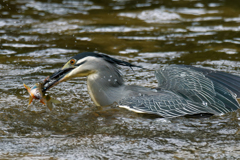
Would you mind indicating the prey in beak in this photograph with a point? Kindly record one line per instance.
(35, 92)
(56, 78)
(82, 65)
(68, 71)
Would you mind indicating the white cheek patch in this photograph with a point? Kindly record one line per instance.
(89, 58)
(73, 72)
(94, 76)
(84, 67)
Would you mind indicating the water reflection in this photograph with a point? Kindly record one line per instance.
(37, 38)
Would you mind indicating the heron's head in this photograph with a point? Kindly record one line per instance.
(84, 64)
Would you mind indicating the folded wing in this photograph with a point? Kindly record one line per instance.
(210, 88)
(165, 103)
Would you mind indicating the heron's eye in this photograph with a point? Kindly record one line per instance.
(72, 61)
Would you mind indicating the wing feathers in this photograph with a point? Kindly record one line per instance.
(202, 85)
(187, 90)
(166, 104)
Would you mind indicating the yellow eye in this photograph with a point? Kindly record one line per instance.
(72, 61)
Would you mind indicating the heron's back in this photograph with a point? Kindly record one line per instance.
(216, 90)
(185, 90)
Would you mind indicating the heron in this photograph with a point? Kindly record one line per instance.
(182, 89)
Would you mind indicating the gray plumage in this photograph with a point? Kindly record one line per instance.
(183, 90)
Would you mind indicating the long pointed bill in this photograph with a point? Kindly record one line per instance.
(56, 78)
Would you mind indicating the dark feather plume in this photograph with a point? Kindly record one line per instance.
(106, 58)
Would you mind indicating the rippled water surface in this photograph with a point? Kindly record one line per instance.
(38, 36)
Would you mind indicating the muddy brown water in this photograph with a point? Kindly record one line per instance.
(37, 37)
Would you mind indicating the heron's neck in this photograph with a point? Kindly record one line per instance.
(105, 88)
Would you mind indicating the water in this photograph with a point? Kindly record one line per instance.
(37, 38)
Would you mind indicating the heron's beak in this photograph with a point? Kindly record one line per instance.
(56, 78)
